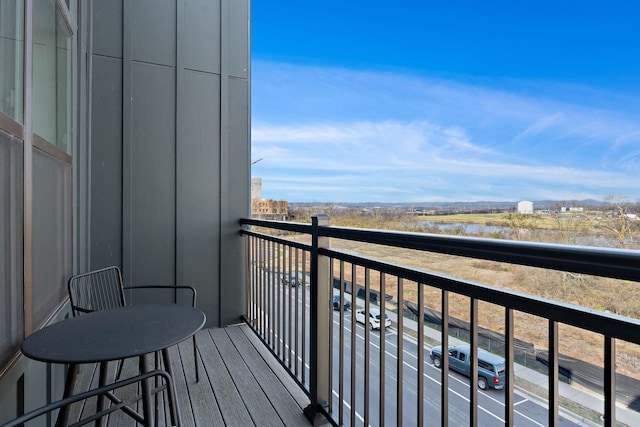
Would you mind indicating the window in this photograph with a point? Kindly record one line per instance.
(485, 365)
(47, 225)
(11, 292)
(11, 178)
(11, 59)
(52, 75)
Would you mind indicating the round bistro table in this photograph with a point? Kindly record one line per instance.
(116, 334)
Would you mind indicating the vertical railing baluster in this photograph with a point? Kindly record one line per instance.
(264, 291)
(509, 354)
(290, 303)
(275, 317)
(330, 337)
(353, 344)
(256, 283)
(281, 295)
(274, 308)
(247, 282)
(250, 278)
(304, 319)
(261, 303)
(264, 284)
(473, 353)
(367, 343)
(285, 277)
(271, 289)
(444, 392)
(400, 342)
(297, 318)
(256, 287)
(420, 360)
(609, 381)
(383, 327)
(280, 298)
(341, 348)
(553, 373)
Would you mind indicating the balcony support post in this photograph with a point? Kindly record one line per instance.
(319, 323)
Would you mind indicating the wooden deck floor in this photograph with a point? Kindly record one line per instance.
(241, 384)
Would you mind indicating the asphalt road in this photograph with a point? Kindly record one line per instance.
(491, 406)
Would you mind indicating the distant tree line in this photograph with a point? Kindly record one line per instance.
(616, 220)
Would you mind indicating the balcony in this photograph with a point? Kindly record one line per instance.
(296, 358)
(358, 376)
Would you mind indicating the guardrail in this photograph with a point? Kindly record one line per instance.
(289, 305)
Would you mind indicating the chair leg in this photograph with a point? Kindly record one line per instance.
(173, 405)
(195, 358)
(72, 375)
(160, 363)
(119, 365)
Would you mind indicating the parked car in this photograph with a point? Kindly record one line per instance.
(336, 303)
(491, 367)
(374, 318)
(291, 281)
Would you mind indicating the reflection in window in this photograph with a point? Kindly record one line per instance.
(11, 246)
(51, 75)
(11, 58)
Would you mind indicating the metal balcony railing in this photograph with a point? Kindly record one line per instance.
(355, 376)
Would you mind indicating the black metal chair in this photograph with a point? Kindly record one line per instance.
(161, 375)
(103, 289)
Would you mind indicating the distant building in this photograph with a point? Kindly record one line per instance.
(256, 188)
(571, 209)
(525, 207)
(266, 209)
(270, 209)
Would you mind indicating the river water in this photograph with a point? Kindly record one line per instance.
(465, 229)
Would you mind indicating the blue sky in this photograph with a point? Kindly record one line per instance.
(427, 101)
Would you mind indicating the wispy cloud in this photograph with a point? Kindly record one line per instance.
(543, 124)
(339, 135)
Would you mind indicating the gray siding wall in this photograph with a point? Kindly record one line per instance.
(169, 175)
(105, 179)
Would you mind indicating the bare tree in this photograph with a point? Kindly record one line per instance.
(522, 226)
(569, 225)
(620, 221)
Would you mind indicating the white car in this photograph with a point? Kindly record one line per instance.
(374, 318)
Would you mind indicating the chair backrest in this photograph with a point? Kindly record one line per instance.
(96, 290)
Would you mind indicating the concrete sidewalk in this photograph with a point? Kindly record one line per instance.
(583, 397)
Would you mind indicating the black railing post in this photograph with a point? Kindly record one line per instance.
(609, 381)
(319, 325)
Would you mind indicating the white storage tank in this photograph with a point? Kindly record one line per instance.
(525, 207)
